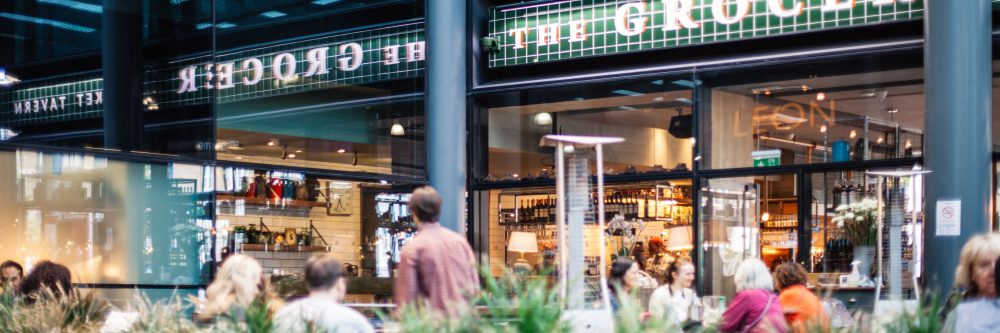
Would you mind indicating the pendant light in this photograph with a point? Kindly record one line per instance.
(396, 130)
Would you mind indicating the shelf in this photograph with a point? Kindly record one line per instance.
(271, 202)
(283, 248)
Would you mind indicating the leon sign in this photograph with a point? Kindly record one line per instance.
(557, 30)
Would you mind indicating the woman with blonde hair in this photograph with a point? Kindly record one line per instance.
(755, 308)
(239, 282)
(975, 281)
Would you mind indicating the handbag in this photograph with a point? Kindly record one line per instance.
(746, 329)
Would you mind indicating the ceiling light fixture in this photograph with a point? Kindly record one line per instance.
(892, 110)
(396, 130)
(298, 151)
(909, 143)
(341, 151)
(880, 140)
(854, 134)
(6, 80)
(822, 129)
(291, 155)
(820, 96)
(543, 119)
(272, 142)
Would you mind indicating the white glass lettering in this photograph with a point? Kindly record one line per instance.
(548, 34)
(622, 21)
(225, 76)
(255, 71)
(186, 75)
(577, 31)
(90, 99)
(390, 55)
(283, 66)
(34, 104)
(79, 100)
(317, 61)
(209, 76)
(778, 8)
(835, 5)
(45, 104)
(100, 97)
(678, 11)
(17, 108)
(53, 105)
(352, 61)
(519, 34)
(414, 51)
(721, 15)
(62, 102)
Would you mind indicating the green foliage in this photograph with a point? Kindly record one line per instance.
(77, 313)
(631, 318)
(169, 316)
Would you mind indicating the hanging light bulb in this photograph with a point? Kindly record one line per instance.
(854, 134)
(396, 130)
(543, 119)
(820, 96)
(822, 129)
(765, 217)
(909, 143)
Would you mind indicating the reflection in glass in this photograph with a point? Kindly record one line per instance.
(109, 221)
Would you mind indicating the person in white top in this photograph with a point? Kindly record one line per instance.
(675, 299)
(321, 311)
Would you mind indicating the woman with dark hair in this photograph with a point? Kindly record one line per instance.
(47, 278)
(622, 279)
(675, 297)
(802, 308)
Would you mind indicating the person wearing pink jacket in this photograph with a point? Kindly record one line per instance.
(755, 309)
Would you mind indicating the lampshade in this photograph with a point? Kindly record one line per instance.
(543, 118)
(716, 234)
(679, 238)
(396, 130)
(524, 242)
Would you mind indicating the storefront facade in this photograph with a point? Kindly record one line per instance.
(144, 139)
(746, 125)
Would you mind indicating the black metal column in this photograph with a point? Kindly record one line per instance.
(121, 49)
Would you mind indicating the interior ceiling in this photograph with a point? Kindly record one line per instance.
(636, 108)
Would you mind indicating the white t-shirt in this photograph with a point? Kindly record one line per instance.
(325, 314)
(677, 302)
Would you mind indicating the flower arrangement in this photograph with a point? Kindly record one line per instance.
(626, 234)
(857, 220)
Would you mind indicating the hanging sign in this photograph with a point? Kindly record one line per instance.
(766, 158)
(949, 218)
(558, 30)
(361, 57)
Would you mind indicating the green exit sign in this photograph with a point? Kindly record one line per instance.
(536, 32)
(766, 158)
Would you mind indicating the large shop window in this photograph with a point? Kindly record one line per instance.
(109, 221)
(654, 117)
(283, 218)
(855, 109)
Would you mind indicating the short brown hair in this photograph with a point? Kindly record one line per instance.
(425, 203)
(323, 271)
(47, 276)
(790, 274)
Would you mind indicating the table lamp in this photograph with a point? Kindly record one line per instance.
(522, 242)
(679, 238)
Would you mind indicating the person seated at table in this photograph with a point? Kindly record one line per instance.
(803, 311)
(46, 280)
(12, 275)
(322, 311)
(756, 308)
(978, 313)
(676, 297)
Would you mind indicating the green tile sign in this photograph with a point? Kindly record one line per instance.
(77, 98)
(388, 53)
(557, 30)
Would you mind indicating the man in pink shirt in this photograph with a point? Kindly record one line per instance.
(437, 265)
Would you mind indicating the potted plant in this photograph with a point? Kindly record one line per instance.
(858, 222)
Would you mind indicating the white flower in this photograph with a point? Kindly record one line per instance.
(849, 215)
(838, 220)
(859, 218)
(840, 224)
(842, 208)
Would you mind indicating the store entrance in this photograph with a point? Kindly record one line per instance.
(754, 216)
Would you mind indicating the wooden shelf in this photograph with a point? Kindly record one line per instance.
(271, 202)
(284, 248)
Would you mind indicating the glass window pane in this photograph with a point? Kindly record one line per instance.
(853, 109)
(109, 221)
(653, 116)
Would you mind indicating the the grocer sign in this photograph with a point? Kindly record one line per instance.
(556, 30)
